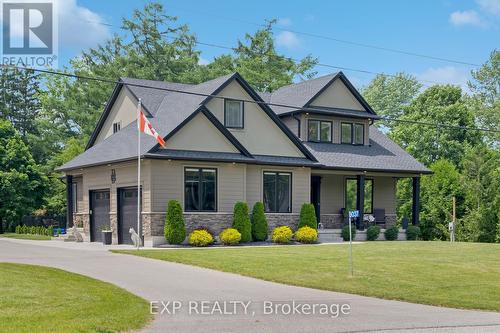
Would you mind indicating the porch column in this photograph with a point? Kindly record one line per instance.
(360, 199)
(69, 201)
(416, 201)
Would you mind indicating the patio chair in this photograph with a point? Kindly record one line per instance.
(379, 214)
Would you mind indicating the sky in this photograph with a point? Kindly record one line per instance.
(465, 31)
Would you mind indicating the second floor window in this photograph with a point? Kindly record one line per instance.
(319, 131)
(116, 127)
(233, 113)
(352, 133)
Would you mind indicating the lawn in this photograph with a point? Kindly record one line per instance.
(25, 236)
(460, 275)
(42, 299)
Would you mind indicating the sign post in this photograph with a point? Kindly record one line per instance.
(352, 214)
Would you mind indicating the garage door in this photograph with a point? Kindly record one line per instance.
(99, 204)
(127, 217)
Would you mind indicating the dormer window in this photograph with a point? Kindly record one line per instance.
(352, 133)
(319, 130)
(233, 113)
(116, 127)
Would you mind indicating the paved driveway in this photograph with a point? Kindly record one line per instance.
(163, 281)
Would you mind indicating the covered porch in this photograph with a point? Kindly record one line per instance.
(335, 193)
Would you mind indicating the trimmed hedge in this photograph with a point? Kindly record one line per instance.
(308, 216)
(230, 236)
(391, 233)
(345, 232)
(306, 235)
(282, 235)
(175, 229)
(35, 230)
(260, 227)
(372, 232)
(241, 221)
(200, 238)
(412, 232)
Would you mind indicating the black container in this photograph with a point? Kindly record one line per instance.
(106, 237)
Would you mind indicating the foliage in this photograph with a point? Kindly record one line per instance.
(22, 184)
(241, 221)
(345, 232)
(200, 238)
(230, 236)
(282, 235)
(259, 222)
(175, 229)
(308, 216)
(372, 232)
(412, 232)
(34, 230)
(391, 233)
(306, 235)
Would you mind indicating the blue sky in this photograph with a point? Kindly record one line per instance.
(462, 30)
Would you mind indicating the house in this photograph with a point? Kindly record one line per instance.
(313, 141)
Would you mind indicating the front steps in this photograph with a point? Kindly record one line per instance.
(334, 235)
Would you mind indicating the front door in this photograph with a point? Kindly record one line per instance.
(315, 195)
(99, 218)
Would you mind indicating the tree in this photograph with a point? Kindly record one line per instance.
(259, 222)
(175, 229)
(437, 105)
(390, 95)
(307, 216)
(22, 185)
(241, 221)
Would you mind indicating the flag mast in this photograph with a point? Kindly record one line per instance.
(139, 171)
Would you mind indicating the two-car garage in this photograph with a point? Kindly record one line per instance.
(100, 213)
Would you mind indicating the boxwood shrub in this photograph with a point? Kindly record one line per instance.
(175, 229)
(230, 236)
(308, 216)
(345, 232)
(241, 221)
(282, 235)
(412, 232)
(259, 222)
(200, 238)
(306, 235)
(372, 232)
(391, 233)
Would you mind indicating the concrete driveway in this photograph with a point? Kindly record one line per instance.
(159, 281)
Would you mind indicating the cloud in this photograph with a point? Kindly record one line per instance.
(79, 26)
(489, 6)
(446, 75)
(288, 39)
(466, 17)
(285, 22)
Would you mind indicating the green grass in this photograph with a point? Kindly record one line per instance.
(25, 236)
(42, 299)
(460, 275)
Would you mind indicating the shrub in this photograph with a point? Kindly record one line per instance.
(412, 232)
(306, 235)
(230, 236)
(200, 238)
(372, 232)
(50, 231)
(391, 233)
(345, 232)
(308, 216)
(175, 230)
(18, 229)
(241, 221)
(259, 222)
(282, 235)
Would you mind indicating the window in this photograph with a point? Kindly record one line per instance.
(320, 131)
(200, 190)
(116, 127)
(74, 200)
(233, 113)
(351, 195)
(352, 133)
(277, 192)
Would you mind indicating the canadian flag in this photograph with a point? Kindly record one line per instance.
(146, 127)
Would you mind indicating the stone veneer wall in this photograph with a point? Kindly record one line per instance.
(390, 220)
(113, 223)
(83, 220)
(332, 221)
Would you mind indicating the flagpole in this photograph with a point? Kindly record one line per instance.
(138, 172)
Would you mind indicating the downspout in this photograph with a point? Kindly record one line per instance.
(298, 124)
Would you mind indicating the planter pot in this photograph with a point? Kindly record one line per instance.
(106, 237)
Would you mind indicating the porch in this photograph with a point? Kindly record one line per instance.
(335, 193)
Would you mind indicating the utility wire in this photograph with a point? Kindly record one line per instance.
(292, 107)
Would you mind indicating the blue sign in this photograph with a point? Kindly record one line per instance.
(354, 213)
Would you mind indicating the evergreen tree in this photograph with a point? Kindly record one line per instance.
(259, 222)
(308, 216)
(241, 221)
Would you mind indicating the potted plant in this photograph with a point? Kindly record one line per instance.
(106, 235)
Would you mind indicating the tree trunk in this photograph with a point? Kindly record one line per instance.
(1, 225)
